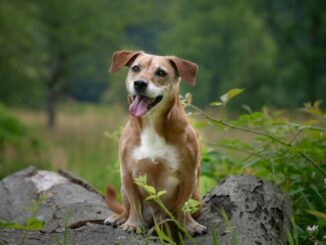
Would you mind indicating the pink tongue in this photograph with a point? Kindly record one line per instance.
(139, 106)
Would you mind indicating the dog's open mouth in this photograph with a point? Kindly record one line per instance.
(142, 104)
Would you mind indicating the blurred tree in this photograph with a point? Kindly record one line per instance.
(299, 29)
(274, 49)
(79, 37)
(227, 40)
(20, 69)
(65, 46)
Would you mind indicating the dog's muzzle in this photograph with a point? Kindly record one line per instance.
(141, 102)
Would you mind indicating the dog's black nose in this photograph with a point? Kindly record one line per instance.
(140, 85)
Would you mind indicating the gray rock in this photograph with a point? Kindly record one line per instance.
(85, 235)
(66, 199)
(246, 210)
(241, 210)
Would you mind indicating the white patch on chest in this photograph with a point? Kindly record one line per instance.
(154, 147)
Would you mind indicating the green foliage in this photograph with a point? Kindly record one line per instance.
(164, 238)
(253, 44)
(18, 146)
(191, 206)
(11, 129)
(21, 56)
(32, 223)
(65, 47)
(225, 98)
(141, 181)
(290, 154)
(221, 36)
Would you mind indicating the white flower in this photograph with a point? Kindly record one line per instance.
(313, 228)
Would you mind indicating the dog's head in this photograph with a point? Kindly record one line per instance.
(152, 80)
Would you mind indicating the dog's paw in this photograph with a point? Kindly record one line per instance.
(194, 228)
(131, 227)
(115, 220)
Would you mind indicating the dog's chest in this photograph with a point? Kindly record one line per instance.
(154, 147)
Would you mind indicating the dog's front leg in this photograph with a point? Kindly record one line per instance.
(185, 191)
(133, 223)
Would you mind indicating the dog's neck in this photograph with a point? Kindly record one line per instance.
(167, 121)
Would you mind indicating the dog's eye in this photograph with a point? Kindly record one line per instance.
(160, 73)
(135, 68)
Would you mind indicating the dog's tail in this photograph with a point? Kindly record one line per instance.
(112, 201)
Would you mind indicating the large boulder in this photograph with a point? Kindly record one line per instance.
(62, 199)
(242, 210)
(248, 211)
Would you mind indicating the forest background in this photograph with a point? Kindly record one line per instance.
(61, 109)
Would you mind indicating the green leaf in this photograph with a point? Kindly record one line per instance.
(141, 180)
(191, 206)
(230, 94)
(161, 193)
(150, 197)
(290, 238)
(216, 103)
(149, 189)
(34, 224)
(247, 108)
(214, 237)
(206, 183)
(162, 236)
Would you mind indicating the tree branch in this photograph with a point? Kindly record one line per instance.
(302, 154)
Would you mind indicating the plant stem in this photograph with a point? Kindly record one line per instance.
(161, 205)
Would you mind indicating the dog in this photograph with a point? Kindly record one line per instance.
(158, 141)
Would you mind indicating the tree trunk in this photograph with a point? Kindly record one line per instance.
(51, 102)
(310, 60)
(242, 210)
(54, 90)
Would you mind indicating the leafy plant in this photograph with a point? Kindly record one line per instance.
(290, 154)
(32, 224)
(153, 195)
(11, 129)
(18, 145)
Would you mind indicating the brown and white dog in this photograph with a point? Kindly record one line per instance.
(157, 141)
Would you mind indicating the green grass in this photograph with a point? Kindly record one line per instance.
(79, 142)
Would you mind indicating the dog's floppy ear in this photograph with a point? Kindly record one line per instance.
(186, 69)
(122, 58)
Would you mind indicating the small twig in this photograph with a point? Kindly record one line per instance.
(313, 162)
(262, 149)
(238, 128)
